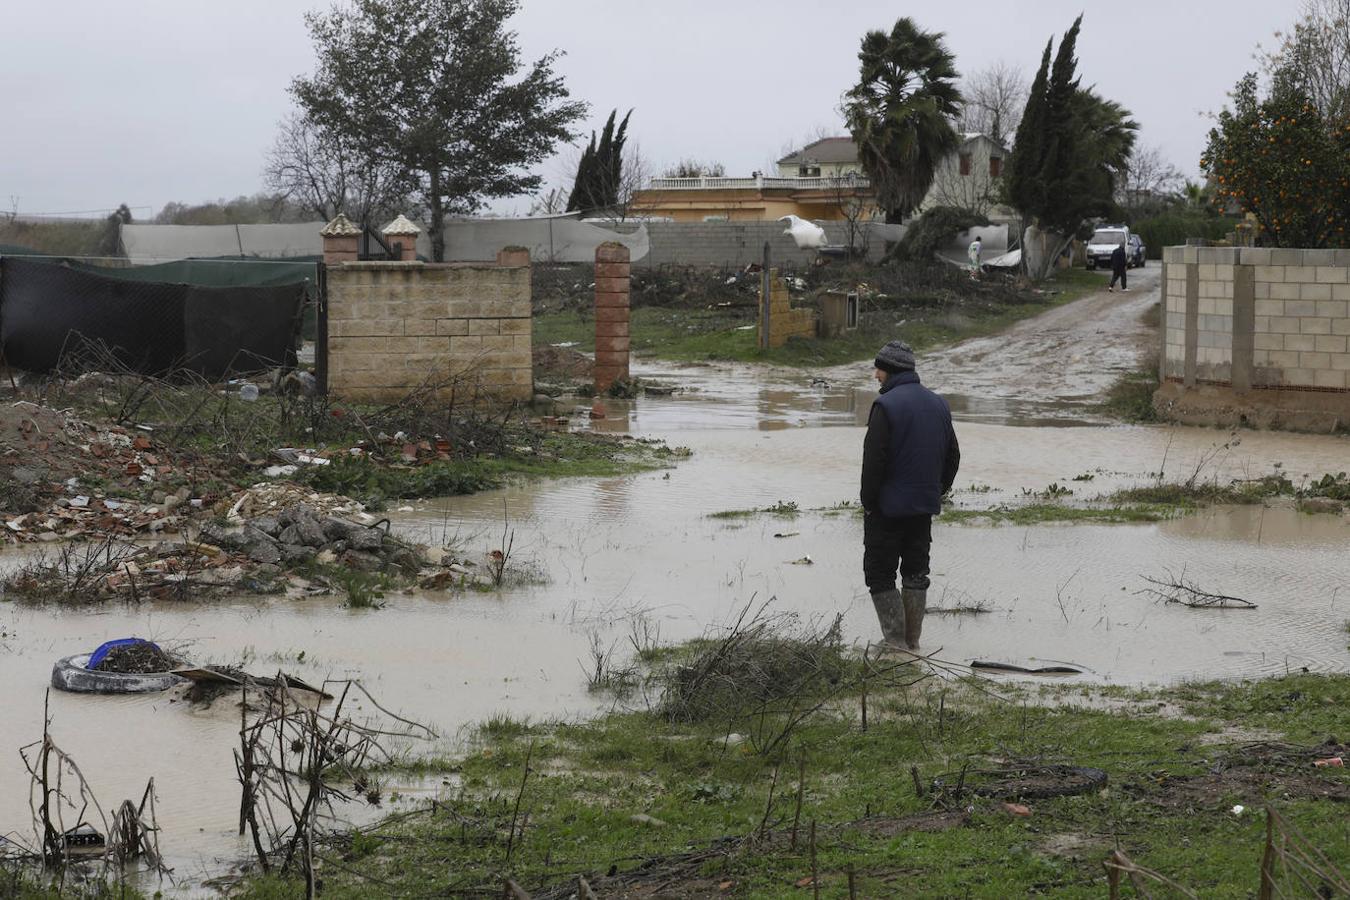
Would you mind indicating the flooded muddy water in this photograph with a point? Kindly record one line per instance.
(601, 557)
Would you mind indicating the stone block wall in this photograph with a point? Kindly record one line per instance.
(1269, 326)
(393, 326)
(784, 321)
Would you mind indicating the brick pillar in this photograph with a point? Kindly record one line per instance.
(513, 257)
(340, 241)
(612, 283)
(403, 232)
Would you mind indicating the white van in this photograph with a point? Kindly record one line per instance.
(1104, 242)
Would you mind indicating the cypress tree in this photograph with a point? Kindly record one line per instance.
(1025, 190)
(600, 170)
(1071, 147)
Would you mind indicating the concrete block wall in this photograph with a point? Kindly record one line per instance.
(393, 326)
(784, 321)
(1259, 322)
(734, 244)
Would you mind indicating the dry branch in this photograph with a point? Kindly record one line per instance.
(1176, 589)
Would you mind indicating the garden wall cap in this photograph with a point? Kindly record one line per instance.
(341, 226)
(401, 227)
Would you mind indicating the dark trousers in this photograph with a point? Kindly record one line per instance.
(891, 544)
(1120, 274)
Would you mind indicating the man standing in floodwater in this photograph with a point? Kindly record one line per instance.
(910, 458)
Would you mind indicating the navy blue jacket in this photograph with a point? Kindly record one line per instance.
(910, 454)
(1118, 263)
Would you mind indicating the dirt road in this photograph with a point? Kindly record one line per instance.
(1054, 365)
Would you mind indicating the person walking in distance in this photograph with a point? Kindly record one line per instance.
(910, 459)
(1118, 266)
(973, 254)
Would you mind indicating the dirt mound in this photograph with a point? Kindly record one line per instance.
(562, 361)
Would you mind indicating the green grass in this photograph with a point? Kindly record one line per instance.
(1192, 494)
(1130, 399)
(1043, 513)
(695, 335)
(559, 455)
(587, 781)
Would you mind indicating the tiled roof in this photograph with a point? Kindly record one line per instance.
(825, 150)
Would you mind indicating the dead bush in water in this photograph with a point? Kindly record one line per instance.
(73, 575)
(87, 574)
(766, 673)
(294, 762)
(65, 813)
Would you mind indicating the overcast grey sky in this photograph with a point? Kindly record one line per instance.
(151, 101)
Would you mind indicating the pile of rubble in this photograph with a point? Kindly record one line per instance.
(300, 533)
(67, 478)
(270, 539)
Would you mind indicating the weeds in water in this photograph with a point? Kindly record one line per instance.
(364, 590)
(505, 727)
(788, 508)
(602, 674)
(645, 638)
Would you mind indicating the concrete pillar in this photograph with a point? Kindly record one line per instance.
(403, 232)
(340, 238)
(1192, 323)
(612, 284)
(1162, 332)
(1244, 327)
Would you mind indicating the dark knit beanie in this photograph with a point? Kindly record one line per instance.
(896, 356)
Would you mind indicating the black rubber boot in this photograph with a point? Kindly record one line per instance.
(915, 603)
(891, 615)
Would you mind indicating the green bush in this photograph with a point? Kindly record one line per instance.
(933, 229)
(1172, 228)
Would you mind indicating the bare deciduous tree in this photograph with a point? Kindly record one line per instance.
(974, 193)
(1150, 181)
(994, 99)
(1315, 55)
(549, 203)
(317, 170)
(856, 206)
(694, 168)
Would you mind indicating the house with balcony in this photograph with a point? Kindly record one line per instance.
(823, 181)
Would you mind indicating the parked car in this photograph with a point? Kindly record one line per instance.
(1134, 251)
(1103, 243)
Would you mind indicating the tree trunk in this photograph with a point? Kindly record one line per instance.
(1041, 249)
(436, 228)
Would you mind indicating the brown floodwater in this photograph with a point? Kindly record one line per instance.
(601, 558)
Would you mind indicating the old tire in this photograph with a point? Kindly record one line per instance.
(70, 674)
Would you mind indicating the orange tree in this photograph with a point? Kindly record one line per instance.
(1285, 162)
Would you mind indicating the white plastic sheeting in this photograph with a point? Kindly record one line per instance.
(559, 239)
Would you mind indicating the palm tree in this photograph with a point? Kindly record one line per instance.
(901, 113)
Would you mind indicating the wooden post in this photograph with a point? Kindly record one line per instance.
(1267, 891)
(815, 869)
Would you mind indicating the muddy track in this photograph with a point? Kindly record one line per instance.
(1065, 358)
